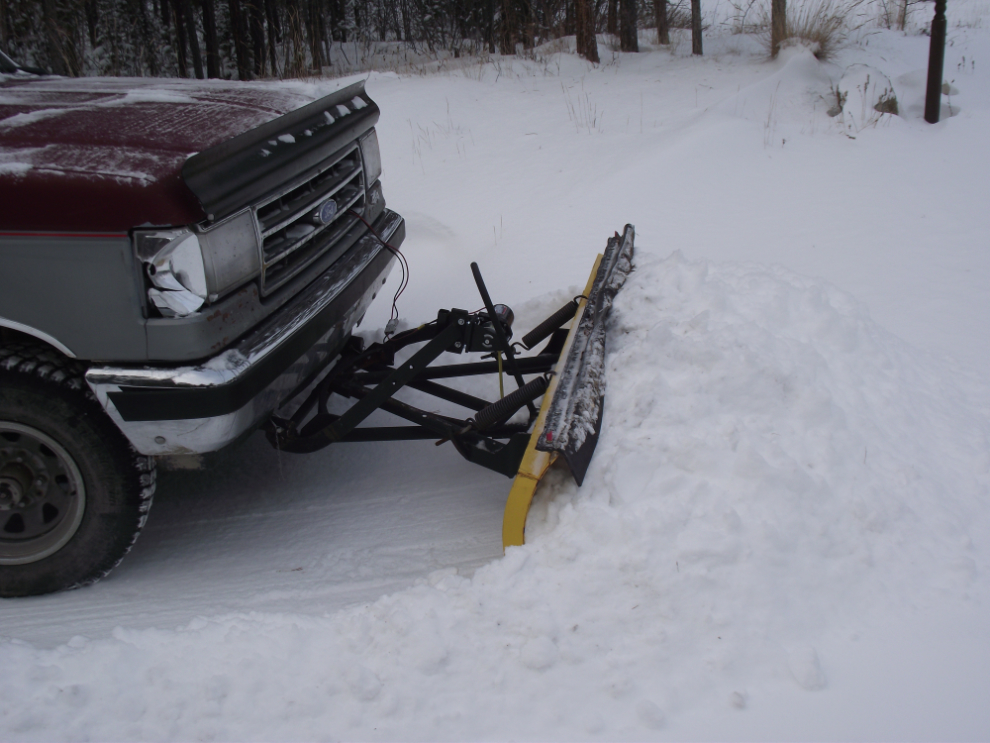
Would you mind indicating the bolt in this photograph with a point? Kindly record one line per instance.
(159, 439)
(461, 321)
(457, 344)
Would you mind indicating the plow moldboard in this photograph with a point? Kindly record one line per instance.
(575, 424)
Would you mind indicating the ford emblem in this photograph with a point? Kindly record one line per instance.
(328, 211)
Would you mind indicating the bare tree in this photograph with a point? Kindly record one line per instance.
(186, 17)
(584, 26)
(314, 33)
(663, 24)
(628, 31)
(209, 38)
(60, 33)
(239, 31)
(256, 15)
(274, 33)
(180, 38)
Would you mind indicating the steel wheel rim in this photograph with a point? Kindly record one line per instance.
(42, 495)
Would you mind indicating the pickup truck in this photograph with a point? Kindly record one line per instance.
(178, 259)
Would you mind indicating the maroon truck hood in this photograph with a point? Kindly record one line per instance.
(105, 154)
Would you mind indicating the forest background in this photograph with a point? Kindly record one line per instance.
(248, 39)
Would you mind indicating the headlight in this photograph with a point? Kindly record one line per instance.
(173, 261)
(188, 269)
(372, 158)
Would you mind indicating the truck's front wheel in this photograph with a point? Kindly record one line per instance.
(73, 493)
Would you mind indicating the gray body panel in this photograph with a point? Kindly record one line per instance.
(86, 295)
(84, 292)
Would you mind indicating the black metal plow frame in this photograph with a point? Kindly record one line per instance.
(371, 378)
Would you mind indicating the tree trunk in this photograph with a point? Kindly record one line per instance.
(628, 39)
(238, 29)
(146, 53)
(185, 27)
(663, 24)
(58, 58)
(295, 41)
(180, 39)
(257, 21)
(696, 27)
(778, 25)
(186, 17)
(584, 21)
(314, 33)
(510, 32)
(92, 19)
(210, 38)
(406, 21)
(612, 25)
(274, 33)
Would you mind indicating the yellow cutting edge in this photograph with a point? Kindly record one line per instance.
(535, 463)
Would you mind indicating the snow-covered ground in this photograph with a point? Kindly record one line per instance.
(785, 533)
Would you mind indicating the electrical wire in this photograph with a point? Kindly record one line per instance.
(403, 265)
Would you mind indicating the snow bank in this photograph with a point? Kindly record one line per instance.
(774, 468)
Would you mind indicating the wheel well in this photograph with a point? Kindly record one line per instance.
(10, 335)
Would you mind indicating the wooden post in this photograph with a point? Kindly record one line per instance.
(936, 59)
(778, 25)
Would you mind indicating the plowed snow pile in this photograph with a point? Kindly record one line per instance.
(775, 470)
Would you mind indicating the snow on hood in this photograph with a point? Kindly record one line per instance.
(772, 464)
(83, 143)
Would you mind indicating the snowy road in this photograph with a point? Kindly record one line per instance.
(313, 534)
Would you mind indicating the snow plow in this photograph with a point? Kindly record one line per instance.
(567, 372)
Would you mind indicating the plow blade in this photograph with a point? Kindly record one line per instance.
(570, 417)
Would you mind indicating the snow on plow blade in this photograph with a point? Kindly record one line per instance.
(570, 417)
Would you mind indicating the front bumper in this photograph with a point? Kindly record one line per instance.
(200, 408)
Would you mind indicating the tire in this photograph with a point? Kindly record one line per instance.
(74, 494)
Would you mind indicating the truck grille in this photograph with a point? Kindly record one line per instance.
(293, 231)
